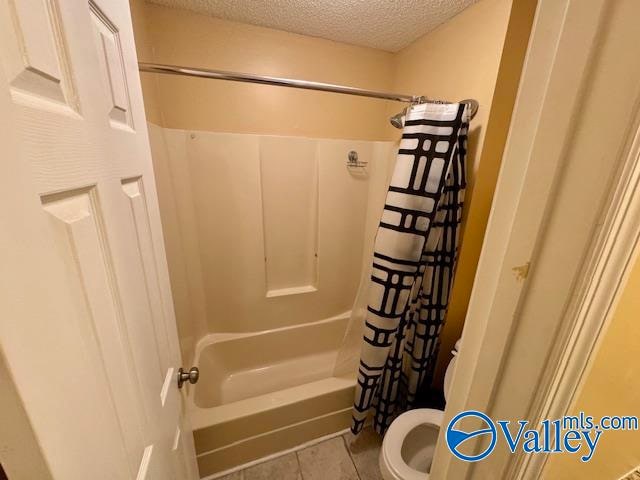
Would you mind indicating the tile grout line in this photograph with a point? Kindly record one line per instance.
(220, 475)
(355, 467)
(299, 464)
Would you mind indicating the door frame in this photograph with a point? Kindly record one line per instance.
(529, 215)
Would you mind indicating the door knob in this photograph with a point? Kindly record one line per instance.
(191, 376)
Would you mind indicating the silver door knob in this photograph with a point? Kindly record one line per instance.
(191, 376)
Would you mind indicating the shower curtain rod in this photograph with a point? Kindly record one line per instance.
(290, 82)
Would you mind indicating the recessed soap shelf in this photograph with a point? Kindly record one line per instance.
(353, 162)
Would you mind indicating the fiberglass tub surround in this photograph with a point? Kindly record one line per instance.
(244, 366)
(276, 225)
(275, 232)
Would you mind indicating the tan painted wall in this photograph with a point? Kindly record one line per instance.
(465, 58)
(459, 60)
(611, 388)
(184, 38)
(144, 49)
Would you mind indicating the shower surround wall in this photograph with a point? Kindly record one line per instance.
(272, 227)
(270, 235)
(174, 36)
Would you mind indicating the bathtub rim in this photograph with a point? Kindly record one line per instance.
(202, 417)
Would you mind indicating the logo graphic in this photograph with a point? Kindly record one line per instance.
(578, 434)
(457, 437)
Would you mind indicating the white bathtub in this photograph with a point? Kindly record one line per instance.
(264, 392)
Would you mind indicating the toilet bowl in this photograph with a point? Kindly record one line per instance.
(410, 442)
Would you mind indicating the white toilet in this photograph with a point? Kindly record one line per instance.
(409, 444)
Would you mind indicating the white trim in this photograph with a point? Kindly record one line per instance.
(273, 456)
(635, 471)
(604, 280)
(495, 297)
(548, 214)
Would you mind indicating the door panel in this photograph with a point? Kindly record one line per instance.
(112, 68)
(87, 326)
(36, 61)
(133, 188)
(77, 230)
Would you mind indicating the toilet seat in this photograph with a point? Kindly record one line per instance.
(392, 465)
(396, 435)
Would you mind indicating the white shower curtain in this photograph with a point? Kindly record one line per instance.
(413, 263)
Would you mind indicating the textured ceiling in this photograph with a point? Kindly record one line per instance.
(385, 24)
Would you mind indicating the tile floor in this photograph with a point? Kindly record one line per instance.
(340, 458)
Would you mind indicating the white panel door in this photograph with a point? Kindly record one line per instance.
(87, 327)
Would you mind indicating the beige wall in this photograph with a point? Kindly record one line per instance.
(611, 388)
(465, 58)
(183, 38)
(144, 49)
(459, 60)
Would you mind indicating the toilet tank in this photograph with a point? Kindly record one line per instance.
(448, 374)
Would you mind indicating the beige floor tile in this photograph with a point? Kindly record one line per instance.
(281, 468)
(365, 449)
(328, 460)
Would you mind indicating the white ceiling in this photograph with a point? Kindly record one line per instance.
(385, 24)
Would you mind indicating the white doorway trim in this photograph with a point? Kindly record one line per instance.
(588, 316)
(563, 231)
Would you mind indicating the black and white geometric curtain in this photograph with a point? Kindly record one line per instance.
(414, 257)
